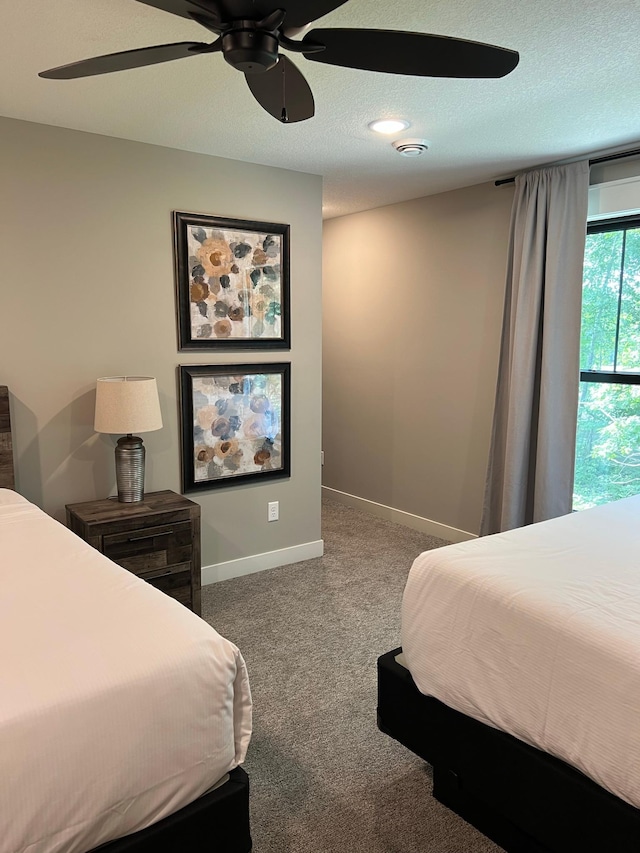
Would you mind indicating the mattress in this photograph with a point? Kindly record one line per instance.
(536, 631)
(118, 705)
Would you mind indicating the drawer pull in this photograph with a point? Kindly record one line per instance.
(159, 575)
(149, 536)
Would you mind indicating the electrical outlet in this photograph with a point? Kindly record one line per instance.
(273, 511)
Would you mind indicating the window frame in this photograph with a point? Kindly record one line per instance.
(584, 495)
(601, 226)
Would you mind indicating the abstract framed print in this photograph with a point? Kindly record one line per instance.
(232, 283)
(234, 424)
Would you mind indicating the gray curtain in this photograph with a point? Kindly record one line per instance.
(531, 462)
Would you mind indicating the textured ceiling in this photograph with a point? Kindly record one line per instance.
(574, 92)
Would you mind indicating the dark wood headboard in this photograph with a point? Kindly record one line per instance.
(7, 480)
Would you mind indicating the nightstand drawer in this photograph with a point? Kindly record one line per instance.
(175, 581)
(158, 539)
(150, 547)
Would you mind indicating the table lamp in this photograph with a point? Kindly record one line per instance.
(128, 404)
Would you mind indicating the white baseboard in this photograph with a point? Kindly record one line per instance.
(260, 562)
(388, 513)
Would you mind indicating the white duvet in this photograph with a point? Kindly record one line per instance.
(117, 704)
(537, 632)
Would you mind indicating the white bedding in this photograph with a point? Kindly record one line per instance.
(537, 632)
(118, 706)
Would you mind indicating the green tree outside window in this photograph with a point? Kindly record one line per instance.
(608, 437)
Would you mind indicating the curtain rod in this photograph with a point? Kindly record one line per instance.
(633, 152)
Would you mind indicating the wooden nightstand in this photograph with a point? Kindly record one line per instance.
(157, 539)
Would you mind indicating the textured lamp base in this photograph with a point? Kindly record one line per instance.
(130, 469)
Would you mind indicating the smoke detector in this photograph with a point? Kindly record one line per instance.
(410, 147)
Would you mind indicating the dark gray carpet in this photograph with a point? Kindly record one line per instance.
(323, 778)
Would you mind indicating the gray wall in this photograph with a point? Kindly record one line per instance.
(412, 305)
(87, 290)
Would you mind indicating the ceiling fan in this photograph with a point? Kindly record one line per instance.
(251, 32)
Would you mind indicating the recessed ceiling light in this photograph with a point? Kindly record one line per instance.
(388, 125)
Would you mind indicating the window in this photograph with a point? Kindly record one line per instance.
(608, 438)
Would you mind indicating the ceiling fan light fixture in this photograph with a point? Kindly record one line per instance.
(388, 126)
(411, 147)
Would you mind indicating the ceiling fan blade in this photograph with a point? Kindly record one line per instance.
(283, 92)
(205, 21)
(417, 54)
(301, 12)
(128, 59)
(182, 7)
(219, 10)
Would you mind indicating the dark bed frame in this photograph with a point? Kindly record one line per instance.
(6, 449)
(218, 821)
(523, 799)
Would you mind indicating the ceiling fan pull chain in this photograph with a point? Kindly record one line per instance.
(284, 118)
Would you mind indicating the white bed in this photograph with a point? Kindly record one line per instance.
(118, 706)
(537, 632)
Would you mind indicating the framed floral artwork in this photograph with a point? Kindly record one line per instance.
(232, 283)
(234, 424)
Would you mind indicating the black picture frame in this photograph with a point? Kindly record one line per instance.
(235, 424)
(232, 280)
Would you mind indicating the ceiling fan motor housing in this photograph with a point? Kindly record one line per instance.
(249, 49)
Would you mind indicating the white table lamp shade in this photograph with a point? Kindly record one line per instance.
(127, 404)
